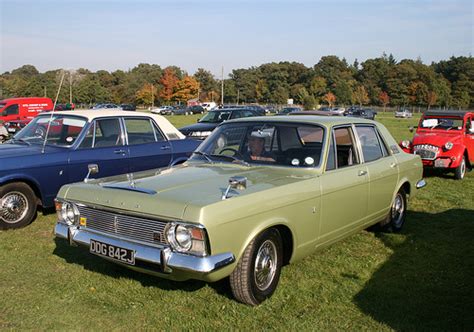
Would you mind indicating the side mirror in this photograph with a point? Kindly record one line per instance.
(235, 182)
(92, 169)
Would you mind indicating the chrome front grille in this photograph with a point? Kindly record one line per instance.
(426, 151)
(125, 226)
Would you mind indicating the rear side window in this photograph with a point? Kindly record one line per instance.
(344, 152)
(140, 131)
(371, 146)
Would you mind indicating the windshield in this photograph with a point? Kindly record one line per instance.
(282, 144)
(63, 130)
(442, 123)
(216, 117)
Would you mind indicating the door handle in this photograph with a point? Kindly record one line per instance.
(165, 147)
(362, 173)
(393, 165)
(119, 152)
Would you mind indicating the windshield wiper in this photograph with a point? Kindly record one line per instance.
(205, 155)
(234, 160)
(20, 140)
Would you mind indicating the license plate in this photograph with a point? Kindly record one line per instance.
(122, 255)
(11, 130)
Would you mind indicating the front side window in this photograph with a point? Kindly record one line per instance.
(294, 145)
(57, 130)
(11, 110)
(107, 133)
(140, 131)
(370, 143)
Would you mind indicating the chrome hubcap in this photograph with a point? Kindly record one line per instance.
(13, 207)
(398, 207)
(265, 265)
(463, 168)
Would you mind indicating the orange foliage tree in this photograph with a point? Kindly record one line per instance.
(186, 89)
(146, 95)
(330, 98)
(360, 95)
(431, 98)
(384, 99)
(169, 82)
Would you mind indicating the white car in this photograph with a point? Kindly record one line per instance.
(162, 110)
(209, 106)
(403, 114)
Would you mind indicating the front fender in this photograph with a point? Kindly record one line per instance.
(21, 177)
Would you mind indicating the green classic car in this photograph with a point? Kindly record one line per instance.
(257, 194)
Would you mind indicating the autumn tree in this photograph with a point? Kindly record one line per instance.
(186, 89)
(147, 94)
(169, 82)
(384, 99)
(330, 99)
(360, 95)
(431, 98)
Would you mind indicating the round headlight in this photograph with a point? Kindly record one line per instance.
(448, 145)
(183, 237)
(68, 213)
(406, 144)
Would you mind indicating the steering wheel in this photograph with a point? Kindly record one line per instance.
(40, 132)
(236, 153)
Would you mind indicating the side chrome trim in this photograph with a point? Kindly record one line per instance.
(420, 184)
(163, 257)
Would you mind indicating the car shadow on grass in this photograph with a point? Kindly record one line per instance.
(82, 257)
(428, 282)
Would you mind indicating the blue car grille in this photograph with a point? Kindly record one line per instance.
(124, 226)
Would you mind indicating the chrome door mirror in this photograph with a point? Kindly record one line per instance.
(92, 169)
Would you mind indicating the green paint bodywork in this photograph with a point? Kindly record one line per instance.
(316, 207)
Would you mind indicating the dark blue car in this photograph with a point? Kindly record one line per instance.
(32, 171)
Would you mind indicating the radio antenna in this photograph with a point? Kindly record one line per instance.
(52, 112)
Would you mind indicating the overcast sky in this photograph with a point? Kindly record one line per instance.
(112, 34)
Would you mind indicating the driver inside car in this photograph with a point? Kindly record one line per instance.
(256, 148)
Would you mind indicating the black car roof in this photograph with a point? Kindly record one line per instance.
(446, 113)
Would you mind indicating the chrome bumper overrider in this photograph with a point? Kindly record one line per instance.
(162, 259)
(420, 184)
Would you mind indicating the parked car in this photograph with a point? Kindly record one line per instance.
(163, 110)
(105, 106)
(338, 110)
(314, 112)
(15, 126)
(209, 106)
(13, 109)
(288, 110)
(65, 107)
(212, 119)
(195, 109)
(128, 107)
(445, 141)
(32, 171)
(403, 113)
(362, 113)
(259, 193)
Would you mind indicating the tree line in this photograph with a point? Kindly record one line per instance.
(380, 81)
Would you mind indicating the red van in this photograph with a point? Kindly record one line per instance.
(23, 108)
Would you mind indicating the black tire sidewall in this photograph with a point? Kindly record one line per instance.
(31, 198)
(274, 236)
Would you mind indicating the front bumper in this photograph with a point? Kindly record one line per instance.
(159, 261)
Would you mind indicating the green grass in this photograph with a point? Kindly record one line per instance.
(420, 279)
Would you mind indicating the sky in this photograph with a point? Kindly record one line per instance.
(113, 34)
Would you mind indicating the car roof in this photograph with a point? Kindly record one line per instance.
(446, 113)
(310, 119)
(169, 130)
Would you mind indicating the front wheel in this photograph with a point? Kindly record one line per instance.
(460, 171)
(17, 205)
(258, 271)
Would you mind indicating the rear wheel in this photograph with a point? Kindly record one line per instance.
(460, 171)
(17, 205)
(396, 217)
(257, 274)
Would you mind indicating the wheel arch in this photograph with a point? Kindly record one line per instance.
(32, 183)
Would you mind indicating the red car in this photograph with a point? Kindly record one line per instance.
(444, 140)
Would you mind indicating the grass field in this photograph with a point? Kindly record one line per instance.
(420, 279)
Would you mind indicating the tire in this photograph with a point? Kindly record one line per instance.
(17, 205)
(264, 253)
(396, 217)
(460, 171)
